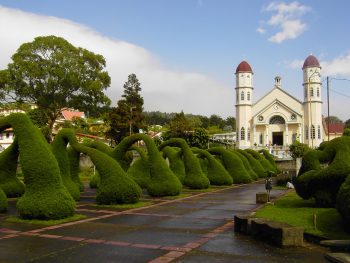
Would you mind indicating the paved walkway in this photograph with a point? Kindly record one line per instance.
(198, 228)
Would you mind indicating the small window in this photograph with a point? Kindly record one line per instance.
(242, 95)
(313, 132)
(305, 93)
(242, 134)
(311, 92)
(237, 96)
(7, 135)
(261, 139)
(318, 92)
(319, 132)
(248, 96)
(248, 134)
(306, 132)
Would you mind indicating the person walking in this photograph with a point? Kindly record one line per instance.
(268, 186)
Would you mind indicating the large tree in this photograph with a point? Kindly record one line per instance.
(127, 117)
(54, 74)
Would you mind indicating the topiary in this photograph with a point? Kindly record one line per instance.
(176, 164)
(163, 181)
(247, 165)
(270, 158)
(45, 196)
(9, 182)
(3, 201)
(232, 164)
(343, 201)
(140, 169)
(194, 178)
(264, 163)
(95, 180)
(255, 164)
(59, 149)
(74, 159)
(216, 172)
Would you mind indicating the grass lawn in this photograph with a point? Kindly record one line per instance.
(293, 210)
(125, 206)
(15, 219)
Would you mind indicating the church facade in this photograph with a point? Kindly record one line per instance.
(278, 118)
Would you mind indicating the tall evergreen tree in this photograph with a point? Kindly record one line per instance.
(127, 117)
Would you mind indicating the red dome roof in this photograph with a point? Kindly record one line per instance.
(244, 67)
(311, 61)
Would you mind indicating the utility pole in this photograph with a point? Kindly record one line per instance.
(328, 106)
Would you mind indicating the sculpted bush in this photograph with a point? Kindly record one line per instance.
(3, 201)
(176, 164)
(255, 164)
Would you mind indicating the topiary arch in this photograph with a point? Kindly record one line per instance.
(176, 164)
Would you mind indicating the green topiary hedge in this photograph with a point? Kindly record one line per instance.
(45, 196)
(233, 164)
(176, 164)
(9, 182)
(3, 201)
(74, 169)
(255, 164)
(194, 178)
(343, 201)
(271, 160)
(163, 181)
(216, 172)
(247, 165)
(264, 163)
(59, 149)
(324, 171)
(140, 169)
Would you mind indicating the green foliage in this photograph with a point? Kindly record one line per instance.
(264, 163)
(95, 180)
(178, 127)
(216, 172)
(163, 181)
(343, 201)
(3, 201)
(247, 165)
(45, 196)
(176, 164)
(54, 74)
(9, 182)
(194, 177)
(59, 149)
(346, 132)
(324, 171)
(140, 169)
(255, 164)
(128, 112)
(233, 164)
(74, 159)
(199, 138)
(270, 158)
(298, 149)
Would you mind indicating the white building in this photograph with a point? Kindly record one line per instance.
(278, 118)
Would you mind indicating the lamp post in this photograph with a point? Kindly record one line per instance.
(131, 108)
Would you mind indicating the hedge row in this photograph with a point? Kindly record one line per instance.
(247, 165)
(195, 178)
(255, 164)
(176, 164)
(140, 170)
(3, 201)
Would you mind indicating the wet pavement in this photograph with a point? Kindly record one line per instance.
(197, 228)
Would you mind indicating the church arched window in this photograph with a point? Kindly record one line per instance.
(248, 96)
(319, 132)
(313, 132)
(318, 92)
(261, 139)
(237, 96)
(306, 132)
(242, 134)
(305, 93)
(242, 95)
(248, 134)
(311, 92)
(277, 120)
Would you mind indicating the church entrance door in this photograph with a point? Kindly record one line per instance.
(277, 138)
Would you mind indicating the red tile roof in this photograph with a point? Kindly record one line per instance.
(336, 127)
(311, 61)
(244, 67)
(69, 115)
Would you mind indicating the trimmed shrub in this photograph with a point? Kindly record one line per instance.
(74, 159)
(255, 164)
(95, 180)
(163, 181)
(176, 164)
(100, 146)
(9, 182)
(270, 158)
(59, 149)
(3, 201)
(323, 181)
(247, 165)
(216, 172)
(194, 178)
(45, 196)
(140, 170)
(264, 163)
(233, 164)
(343, 202)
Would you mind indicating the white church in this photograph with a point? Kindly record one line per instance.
(278, 118)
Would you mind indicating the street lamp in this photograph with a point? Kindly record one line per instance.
(131, 108)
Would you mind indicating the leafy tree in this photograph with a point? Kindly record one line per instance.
(298, 149)
(178, 127)
(231, 121)
(216, 120)
(346, 132)
(54, 74)
(347, 124)
(199, 138)
(128, 113)
(333, 119)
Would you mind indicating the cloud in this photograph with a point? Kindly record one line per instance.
(261, 30)
(295, 64)
(287, 18)
(162, 88)
(339, 66)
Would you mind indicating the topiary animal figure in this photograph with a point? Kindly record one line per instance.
(194, 178)
(233, 164)
(176, 164)
(9, 182)
(216, 172)
(45, 196)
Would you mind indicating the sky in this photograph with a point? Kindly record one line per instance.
(185, 52)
